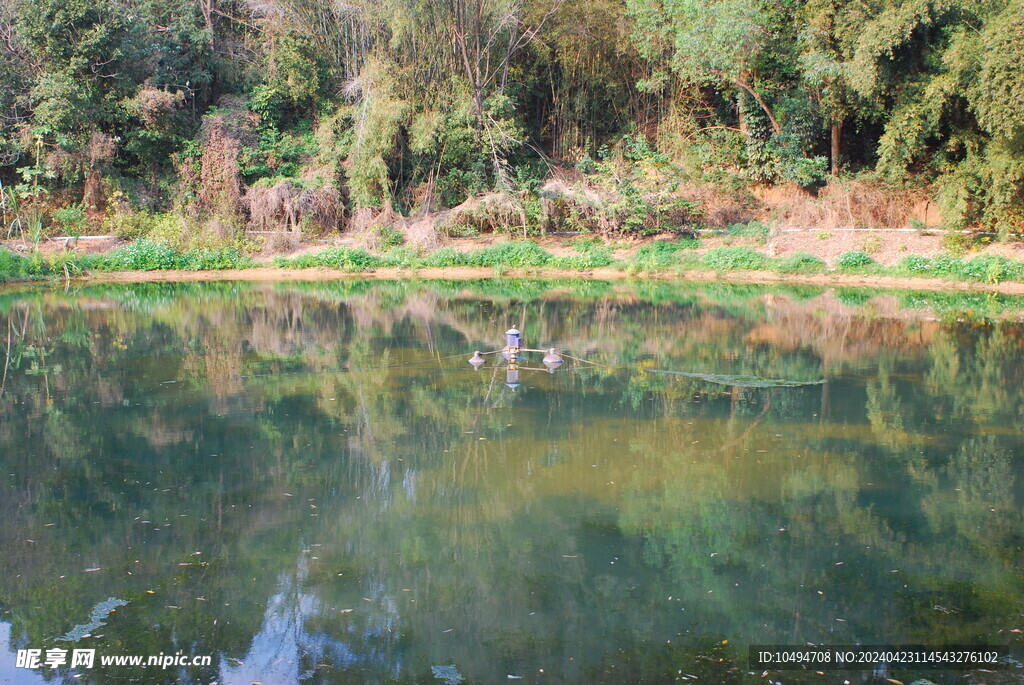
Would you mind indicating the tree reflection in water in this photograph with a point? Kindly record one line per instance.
(300, 480)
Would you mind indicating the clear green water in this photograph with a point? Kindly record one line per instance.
(305, 483)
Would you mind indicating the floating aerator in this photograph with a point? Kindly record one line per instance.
(477, 360)
(552, 357)
(513, 338)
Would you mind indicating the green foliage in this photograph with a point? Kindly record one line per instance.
(592, 254)
(344, 258)
(648, 98)
(806, 172)
(130, 225)
(590, 259)
(800, 263)
(509, 254)
(69, 220)
(80, 44)
(277, 154)
(663, 254)
(853, 260)
(755, 229)
(730, 258)
(638, 194)
(13, 266)
(143, 255)
(376, 123)
(390, 236)
(986, 269)
(445, 256)
(401, 257)
(152, 255)
(204, 259)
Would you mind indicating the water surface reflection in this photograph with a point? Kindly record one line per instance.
(309, 482)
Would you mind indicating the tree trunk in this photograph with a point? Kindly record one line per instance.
(741, 83)
(837, 135)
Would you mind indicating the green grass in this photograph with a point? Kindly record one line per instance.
(151, 255)
(662, 255)
(13, 267)
(754, 229)
(665, 256)
(985, 269)
(800, 263)
(344, 258)
(140, 255)
(735, 259)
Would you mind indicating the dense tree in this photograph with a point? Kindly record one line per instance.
(419, 104)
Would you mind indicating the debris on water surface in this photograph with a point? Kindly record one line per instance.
(740, 381)
(449, 674)
(99, 612)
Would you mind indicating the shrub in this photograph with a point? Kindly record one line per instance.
(800, 263)
(592, 254)
(588, 260)
(402, 257)
(946, 264)
(12, 266)
(390, 237)
(131, 225)
(70, 220)
(916, 264)
(662, 254)
(345, 258)
(990, 269)
(213, 260)
(144, 255)
(854, 260)
(728, 258)
(510, 254)
(445, 256)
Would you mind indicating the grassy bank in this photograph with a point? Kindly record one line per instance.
(663, 258)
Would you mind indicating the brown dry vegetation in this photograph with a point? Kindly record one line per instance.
(287, 207)
(845, 204)
(220, 180)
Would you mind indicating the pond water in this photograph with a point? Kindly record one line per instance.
(308, 481)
